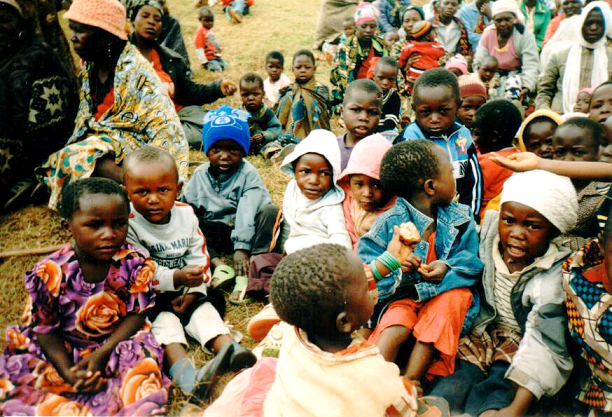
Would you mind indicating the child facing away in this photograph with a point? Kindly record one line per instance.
(516, 353)
(233, 206)
(494, 129)
(323, 295)
(578, 140)
(312, 205)
(426, 295)
(583, 100)
(264, 127)
(303, 106)
(421, 54)
(365, 198)
(169, 232)
(85, 347)
(537, 131)
(473, 95)
(361, 111)
(385, 76)
(235, 10)
(435, 102)
(277, 79)
(207, 48)
(357, 54)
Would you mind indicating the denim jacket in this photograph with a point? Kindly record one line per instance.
(456, 245)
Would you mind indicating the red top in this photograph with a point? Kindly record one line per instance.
(109, 100)
(430, 53)
(366, 64)
(165, 78)
(206, 40)
(431, 249)
(493, 176)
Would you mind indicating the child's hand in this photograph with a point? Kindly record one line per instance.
(412, 263)
(182, 303)
(397, 248)
(189, 276)
(257, 137)
(241, 263)
(228, 87)
(413, 58)
(433, 272)
(88, 373)
(519, 162)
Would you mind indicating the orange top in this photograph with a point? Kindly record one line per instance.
(431, 249)
(164, 77)
(109, 100)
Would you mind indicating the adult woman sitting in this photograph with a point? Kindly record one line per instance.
(123, 105)
(515, 48)
(584, 63)
(188, 97)
(37, 104)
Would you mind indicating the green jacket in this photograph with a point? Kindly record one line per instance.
(541, 19)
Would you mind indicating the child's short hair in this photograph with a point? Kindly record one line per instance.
(252, 78)
(149, 154)
(72, 193)
(277, 56)
(363, 85)
(499, 115)
(587, 124)
(307, 288)
(490, 58)
(600, 86)
(304, 52)
(387, 60)
(435, 77)
(350, 19)
(407, 165)
(205, 11)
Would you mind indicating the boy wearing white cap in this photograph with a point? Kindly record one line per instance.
(516, 352)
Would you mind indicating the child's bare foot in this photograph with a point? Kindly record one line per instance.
(236, 16)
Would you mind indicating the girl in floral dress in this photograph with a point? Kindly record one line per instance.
(85, 348)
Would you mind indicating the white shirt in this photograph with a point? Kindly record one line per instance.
(272, 90)
(449, 36)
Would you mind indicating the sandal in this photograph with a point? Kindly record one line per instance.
(223, 275)
(262, 322)
(238, 295)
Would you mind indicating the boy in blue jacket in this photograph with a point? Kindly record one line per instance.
(426, 296)
(435, 101)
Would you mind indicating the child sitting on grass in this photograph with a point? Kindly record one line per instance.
(206, 45)
(357, 54)
(169, 232)
(537, 131)
(473, 94)
(312, 205)
(264, 127)
(277, 80)
(427, 295)
(578, 140)
(85, 348)
(583, 100)
(516, 352)
(425, 47)
(494, 129)
(435, 102)
(365, 198)
(235, 10)
(303, 106)
(360, 113)
(233, 206)
(385, 76)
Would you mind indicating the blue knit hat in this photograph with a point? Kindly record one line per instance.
(226, 123)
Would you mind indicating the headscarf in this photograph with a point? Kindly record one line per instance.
(365, 13)
(417, 9)
(133, 6)
(504, 6)
(551, 195)
(549, 114)
(599, 72)
(566, 34)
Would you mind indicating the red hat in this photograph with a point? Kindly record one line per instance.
(470, 85)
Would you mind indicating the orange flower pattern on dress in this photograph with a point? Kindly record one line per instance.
(144, 277)
(85, 315)
(56, 405)
(51, 274)
(101, 315)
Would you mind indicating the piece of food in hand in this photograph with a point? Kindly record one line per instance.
(409, 234)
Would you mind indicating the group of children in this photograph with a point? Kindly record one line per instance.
(472, 307)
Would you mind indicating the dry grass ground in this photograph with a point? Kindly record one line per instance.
(284, 25)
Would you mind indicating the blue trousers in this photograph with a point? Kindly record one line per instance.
(217, 65)
(472, 391)
(239, 6)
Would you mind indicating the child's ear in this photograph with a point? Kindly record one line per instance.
(65, 226)
(429, 187)
(343, 324)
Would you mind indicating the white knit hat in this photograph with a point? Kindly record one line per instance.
(551, 195)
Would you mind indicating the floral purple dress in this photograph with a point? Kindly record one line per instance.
(86, 314)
